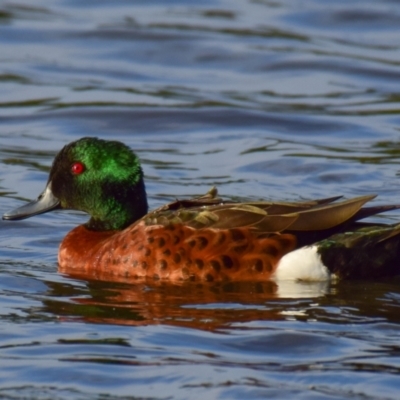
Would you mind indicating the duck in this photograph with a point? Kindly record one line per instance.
(204, 238)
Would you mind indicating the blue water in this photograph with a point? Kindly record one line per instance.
(265, 99)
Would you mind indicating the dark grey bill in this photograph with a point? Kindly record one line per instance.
(44, 203)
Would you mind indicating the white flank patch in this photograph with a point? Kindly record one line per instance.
(303, 264)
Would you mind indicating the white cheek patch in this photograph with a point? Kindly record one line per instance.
(303, 264)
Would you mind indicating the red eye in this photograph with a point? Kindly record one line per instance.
(77, 168)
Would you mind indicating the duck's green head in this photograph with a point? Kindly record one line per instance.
(102, 178)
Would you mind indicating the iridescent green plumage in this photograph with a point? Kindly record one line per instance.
(111, 189)
(365, 253)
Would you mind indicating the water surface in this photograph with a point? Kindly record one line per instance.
(265, 99)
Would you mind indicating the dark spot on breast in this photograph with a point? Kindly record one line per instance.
(227, 261)
(150, 240)
(147, 252)
(167, 252)
(258, 265)
(268, 266)
(140, 248)
(163, 264)
(124, 246)
(271, 250)
(209, 278)
(161, 242)
(192, 243)
(177, 258)
(176, 239)
(203, 242)
(156, 277)
(240, 249)
(216, 265)
(237, 234)
(144, 264)
(199, 263)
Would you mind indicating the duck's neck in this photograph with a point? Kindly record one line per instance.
(119, 208)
